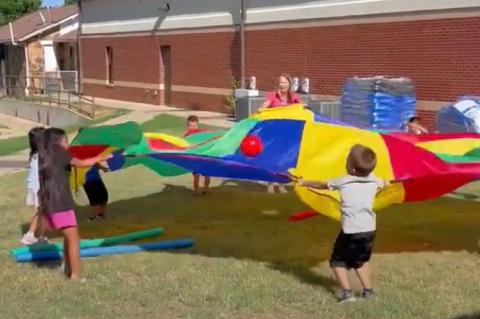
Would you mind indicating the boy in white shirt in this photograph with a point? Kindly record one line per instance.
(353, 246)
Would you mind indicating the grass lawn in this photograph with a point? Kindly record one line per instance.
(248, 261)
(13, 145)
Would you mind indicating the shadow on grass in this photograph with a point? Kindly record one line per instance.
(241, 221)
(470, 316)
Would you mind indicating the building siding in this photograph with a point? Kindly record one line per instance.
(440, 56)
(201, 60)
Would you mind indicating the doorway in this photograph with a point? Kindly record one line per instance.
(166, 73)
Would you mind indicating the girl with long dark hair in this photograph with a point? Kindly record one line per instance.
(56, 201)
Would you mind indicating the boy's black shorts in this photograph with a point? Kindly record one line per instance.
(96, 192)
(352, 250)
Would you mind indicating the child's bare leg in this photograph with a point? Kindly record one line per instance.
(196, 183)
(73, 251)
(206, 184)
(102, 210)
(342, 277)
(270, 188)
(42, 225)
(33, 224)
(66, 258)
(363, 274)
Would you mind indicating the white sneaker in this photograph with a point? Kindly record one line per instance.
(28, 239)
(282, 189)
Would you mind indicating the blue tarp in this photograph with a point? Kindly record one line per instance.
(451, 120)
(377, 102)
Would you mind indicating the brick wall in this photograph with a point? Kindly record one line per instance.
(427, 119)
(195, 101)
(122, 93)
(204, 60)
(440, 56)
(135, 59)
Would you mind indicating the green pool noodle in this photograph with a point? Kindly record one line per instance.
(90, 243)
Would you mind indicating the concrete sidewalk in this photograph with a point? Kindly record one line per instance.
(11, 126)
(140, 114)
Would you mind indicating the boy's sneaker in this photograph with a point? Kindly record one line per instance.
(28, 239)
(346, 296)
(368, 293)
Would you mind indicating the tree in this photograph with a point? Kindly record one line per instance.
(12, 9)
(67, 2)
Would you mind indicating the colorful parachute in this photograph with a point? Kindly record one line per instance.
(127, 139)
(295, 139)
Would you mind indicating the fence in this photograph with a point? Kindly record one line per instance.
(61, 81)
(54, 89)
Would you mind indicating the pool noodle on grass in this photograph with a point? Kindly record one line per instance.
(109, 250)
(90, 243)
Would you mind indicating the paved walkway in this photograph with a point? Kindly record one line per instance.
(11, 126)
(143, 112)
(140, 114)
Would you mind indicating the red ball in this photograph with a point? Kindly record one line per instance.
(251, 146)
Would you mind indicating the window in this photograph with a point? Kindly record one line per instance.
(109, 63)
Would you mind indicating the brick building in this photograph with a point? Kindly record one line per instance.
(37, 46)
(185, 53)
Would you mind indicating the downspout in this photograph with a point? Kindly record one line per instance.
(79, 49)
(242, 43)
(11, 33)
(27, 69)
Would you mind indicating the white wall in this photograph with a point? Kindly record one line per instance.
(112, 16)
(69, 25)
(260, 11)
(107, 16)
(49, 56)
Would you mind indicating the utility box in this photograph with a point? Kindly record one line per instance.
(326, 109)
(247, 106)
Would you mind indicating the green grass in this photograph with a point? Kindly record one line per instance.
(13, 145)
(248, 261)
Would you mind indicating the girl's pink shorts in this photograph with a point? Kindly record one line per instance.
(61, 220)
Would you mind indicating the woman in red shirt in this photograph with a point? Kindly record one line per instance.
(283, 96)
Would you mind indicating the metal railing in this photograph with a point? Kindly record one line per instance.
(61, 81)
(51, 91)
